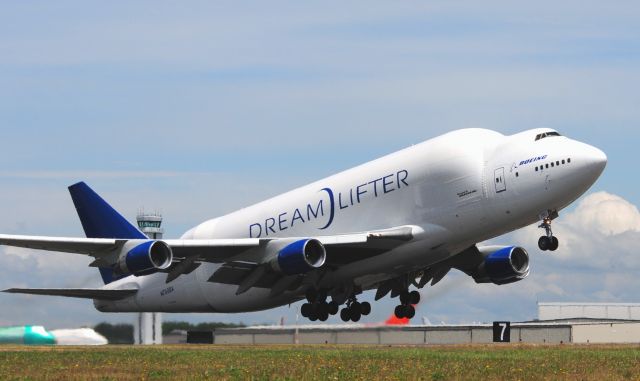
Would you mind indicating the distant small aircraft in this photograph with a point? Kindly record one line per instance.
(37, 335)
(403, 220)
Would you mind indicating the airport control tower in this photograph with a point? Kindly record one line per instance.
(148, 326)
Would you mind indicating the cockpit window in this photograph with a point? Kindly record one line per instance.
(546, 135)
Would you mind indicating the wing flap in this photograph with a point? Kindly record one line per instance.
(87, 293)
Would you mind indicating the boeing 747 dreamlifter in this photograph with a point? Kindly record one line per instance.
(403, 220)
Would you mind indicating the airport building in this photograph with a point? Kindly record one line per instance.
(559, 323)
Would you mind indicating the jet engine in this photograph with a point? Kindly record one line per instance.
(299, 257)
(144, 258)
(502, 265)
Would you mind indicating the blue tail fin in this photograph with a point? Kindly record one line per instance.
(100, 220)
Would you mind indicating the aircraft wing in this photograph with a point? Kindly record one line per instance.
(189, 254)
(88, 293)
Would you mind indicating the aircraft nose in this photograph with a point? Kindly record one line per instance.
(596, 160)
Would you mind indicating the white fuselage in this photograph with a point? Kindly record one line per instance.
(455, 190)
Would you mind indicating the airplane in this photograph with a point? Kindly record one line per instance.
(401, 221)
(37, 335)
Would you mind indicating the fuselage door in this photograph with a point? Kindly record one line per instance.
(500, 180)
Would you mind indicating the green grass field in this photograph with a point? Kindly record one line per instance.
(477, 362)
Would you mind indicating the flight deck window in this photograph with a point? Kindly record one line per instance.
(546, 135)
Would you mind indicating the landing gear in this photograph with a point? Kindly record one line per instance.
(354, 310)
(317, 307)
(406, 307)
(548, 241)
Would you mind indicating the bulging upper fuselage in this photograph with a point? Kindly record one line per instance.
(453, 191)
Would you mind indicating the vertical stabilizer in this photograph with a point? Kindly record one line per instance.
(100, 220)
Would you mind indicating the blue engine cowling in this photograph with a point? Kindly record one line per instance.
(300, 257)
(507, 265)
(146, 258)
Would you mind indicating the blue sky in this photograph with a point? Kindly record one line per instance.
(200, 108)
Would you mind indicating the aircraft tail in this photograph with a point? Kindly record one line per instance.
(100, 220)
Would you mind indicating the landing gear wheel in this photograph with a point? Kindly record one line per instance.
(306, 309)
(333, 308)
(399, 311)
(355, 315)
(544, 243)
(365, 308)
(323, 315)
(554, 244)
(345, 315)
(414, 297)
(409, 312)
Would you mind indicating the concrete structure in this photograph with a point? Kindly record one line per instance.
(563, 311)
(148, 326)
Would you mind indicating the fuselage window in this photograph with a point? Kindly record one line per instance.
(517, 175)
(546, 165)
(536, 169)
(569, 160)
(563, 161)
(552, 164)
(558, 162)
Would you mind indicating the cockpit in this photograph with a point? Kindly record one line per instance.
(547, 135)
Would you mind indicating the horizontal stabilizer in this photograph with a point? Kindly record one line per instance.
(88, 293)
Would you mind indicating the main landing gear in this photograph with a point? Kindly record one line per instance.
(548, 241)
(317, 307)
(354, 310)
(406, 307)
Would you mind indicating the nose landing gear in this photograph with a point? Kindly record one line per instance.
(548, 241)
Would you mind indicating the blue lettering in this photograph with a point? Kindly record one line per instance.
(251, 230)
(268, 226)
(340, 201)
(315, 213)
(385, 184)
(406, 174)
(358, 193)
(375, 187)
(296, 216)
(282, 221)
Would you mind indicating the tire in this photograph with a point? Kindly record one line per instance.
(305, 310)
(345, 315)
(333, 308)
(323, 308)
(410, 312)
(414, 297)
(365, 308)
(404, 297)
(554, 244)
(544, 243)
(313, 317)
(399, 311)
(323, 316)
(355, 315)
(355, 307)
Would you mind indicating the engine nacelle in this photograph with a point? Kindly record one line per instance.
(300, 257)
(505, 265)
(145, 258)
